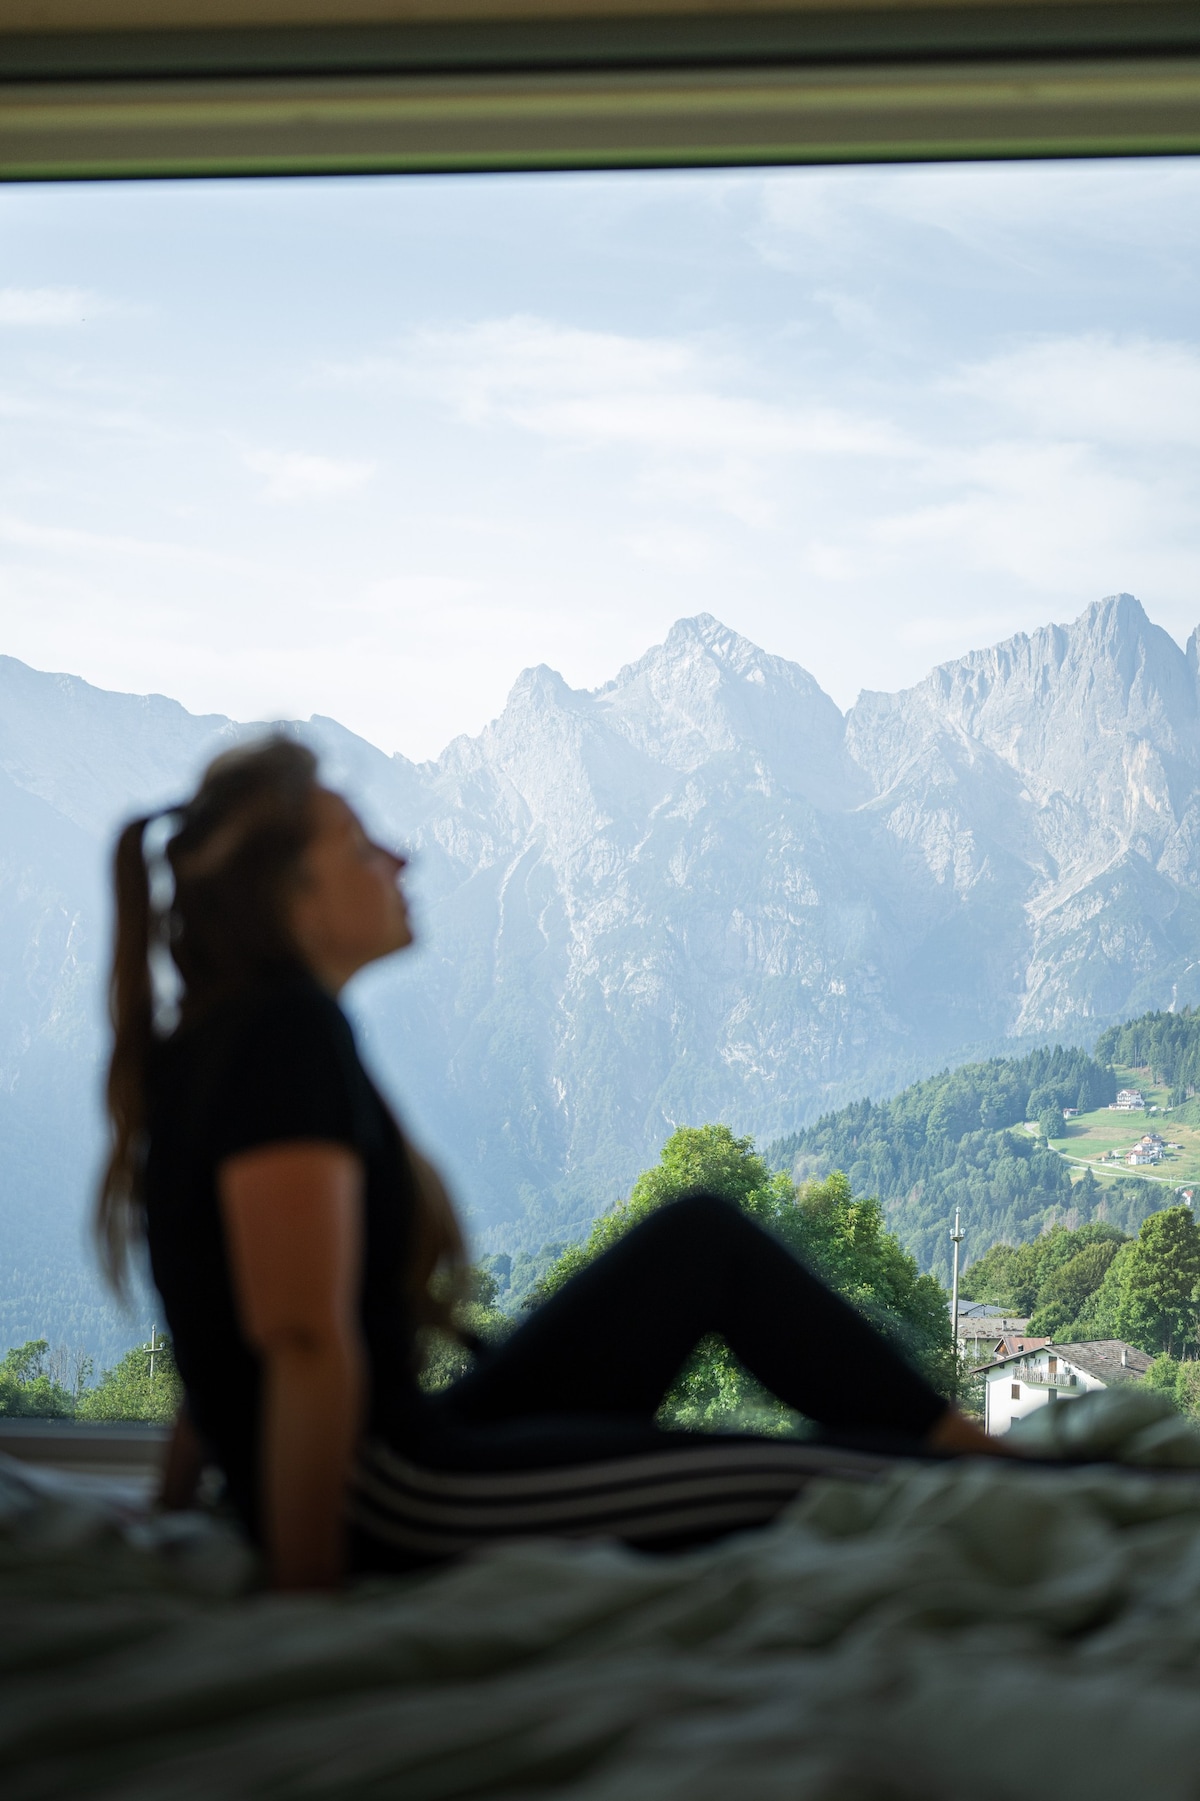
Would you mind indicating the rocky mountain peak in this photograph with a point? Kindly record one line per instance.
(701, 634)
(1055, 705)
(1115, 616)
(706, 692)
(540, 686)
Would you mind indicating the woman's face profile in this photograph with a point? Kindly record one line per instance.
(348, 909)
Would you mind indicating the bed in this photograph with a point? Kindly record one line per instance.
(976, 1628)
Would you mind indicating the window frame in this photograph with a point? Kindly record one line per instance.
(102, 88)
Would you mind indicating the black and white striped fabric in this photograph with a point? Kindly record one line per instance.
(656, 1500)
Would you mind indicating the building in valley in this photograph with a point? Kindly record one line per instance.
(1022, 1381)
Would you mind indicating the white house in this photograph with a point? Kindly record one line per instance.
(1017, 1384)
(1129, 1100)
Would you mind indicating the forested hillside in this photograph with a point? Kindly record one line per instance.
(1167, 1045)
(959, 1140)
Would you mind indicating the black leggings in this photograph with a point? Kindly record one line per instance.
(554, 1430)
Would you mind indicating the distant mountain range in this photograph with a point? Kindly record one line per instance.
(698, 892)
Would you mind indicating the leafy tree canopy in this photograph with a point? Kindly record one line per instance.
(1066, 1292)
(27, 1387)
(144, 1385)
(1096, 1283)
(1159, 1284)
(1179, 1381)
(1050, 1122)
(1015, 1277)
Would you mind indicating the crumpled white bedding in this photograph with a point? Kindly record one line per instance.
(975, 1629)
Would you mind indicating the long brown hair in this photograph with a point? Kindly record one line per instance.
(208, 907)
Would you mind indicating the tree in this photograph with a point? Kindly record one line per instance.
(1160, 1284)
(27, 1388)
(1050, 1122)
(1098, 1317)
(990, 1278)
(144, 1385)
(1052, 1278)
(1066, 1291)
(1180, 1382)
(1088, 1189)
(1044, 1099)
(955, 1112)
(1187, 1389)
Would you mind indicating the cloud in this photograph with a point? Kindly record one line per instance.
(1052, 515)
(1050, 220)
(1050, 455)
(51, 306)
(89, 546)
(292, 475)
(1095, 388)
(937, 632)
(675, 547)
(664, 396)
(415, 597)
(1062, 461)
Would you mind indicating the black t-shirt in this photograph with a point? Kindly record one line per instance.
(275, 1066)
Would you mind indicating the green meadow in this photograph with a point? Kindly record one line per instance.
(1091, 1139)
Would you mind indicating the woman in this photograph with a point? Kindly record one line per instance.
(294, 1234)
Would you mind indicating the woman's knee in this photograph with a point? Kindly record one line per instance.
(698, 1214)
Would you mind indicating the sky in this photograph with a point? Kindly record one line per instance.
(369, 447)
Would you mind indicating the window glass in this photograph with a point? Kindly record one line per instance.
(581, 492)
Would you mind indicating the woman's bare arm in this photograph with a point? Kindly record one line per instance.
(293, 1221)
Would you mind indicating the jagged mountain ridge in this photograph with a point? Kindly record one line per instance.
(1093, 731)
(696, 892)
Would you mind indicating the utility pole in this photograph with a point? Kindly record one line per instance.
(956, 1238)
(155, 1348)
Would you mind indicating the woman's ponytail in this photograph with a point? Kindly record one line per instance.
(207, 910)
(131, 1010)
(199, 892)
